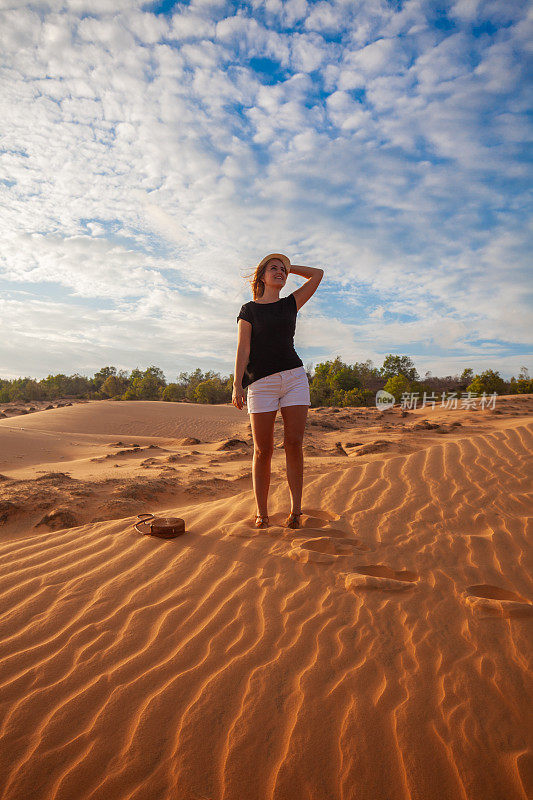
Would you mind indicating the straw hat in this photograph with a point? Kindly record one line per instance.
(281, 257)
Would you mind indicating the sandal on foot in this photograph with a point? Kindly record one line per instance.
(261, 522)
(293, 520)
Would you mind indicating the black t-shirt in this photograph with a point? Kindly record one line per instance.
(272, 341)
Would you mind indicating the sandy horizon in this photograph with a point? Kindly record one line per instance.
(381, 652)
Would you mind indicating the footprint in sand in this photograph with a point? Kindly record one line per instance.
(326, 549)
(378, 576)
(496, 601)
(314, 519)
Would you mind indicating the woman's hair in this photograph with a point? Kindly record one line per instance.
(256, 280)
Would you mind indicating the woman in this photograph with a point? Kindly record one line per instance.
(268, 364)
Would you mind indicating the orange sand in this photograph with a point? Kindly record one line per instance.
(381, 652)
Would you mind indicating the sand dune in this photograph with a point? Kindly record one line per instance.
(49, 436)
(381, 651)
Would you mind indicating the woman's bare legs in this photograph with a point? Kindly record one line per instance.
(294, 419)
(263, 435)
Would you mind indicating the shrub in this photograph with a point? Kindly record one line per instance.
(524, 386)
(399, 365)
(173, 392)
(397, 385)
(111, 387)
(212, 391)
(488, 382)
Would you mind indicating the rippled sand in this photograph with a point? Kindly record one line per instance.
(381, 652)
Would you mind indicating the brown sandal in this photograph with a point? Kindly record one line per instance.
(292, 520)
(261, 522)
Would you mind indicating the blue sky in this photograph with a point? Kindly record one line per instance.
(152, 152)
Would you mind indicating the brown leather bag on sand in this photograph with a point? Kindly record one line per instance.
(163, 527)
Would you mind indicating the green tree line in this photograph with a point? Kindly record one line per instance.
(332, 383)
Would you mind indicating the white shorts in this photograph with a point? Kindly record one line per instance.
(287, 388)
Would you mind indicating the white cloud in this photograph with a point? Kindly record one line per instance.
(465, 10)
(385, 56)
(143, 157)
(324, 16)
(250, 38)
(308, 52)
(185, 25)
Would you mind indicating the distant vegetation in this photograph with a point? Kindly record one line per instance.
(333, 383)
